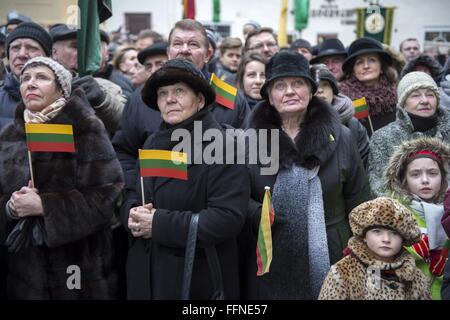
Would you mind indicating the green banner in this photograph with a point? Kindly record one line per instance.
(92, 13)
(301, 9)
(376, 24)
(216, 11)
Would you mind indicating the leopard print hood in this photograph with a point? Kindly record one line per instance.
(404, 265)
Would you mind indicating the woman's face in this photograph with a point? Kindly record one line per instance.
(367, 68)
(384, 243)
(178, 102)
(254, 78)
(325, 91)
(129, 62)
(38, 88)
(423, 178)
(290, 95)
(421, 102)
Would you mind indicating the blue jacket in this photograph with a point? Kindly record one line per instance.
(9, 99)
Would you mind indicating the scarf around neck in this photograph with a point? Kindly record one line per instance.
(423, 124)
(381, 98)
(431, 214)
(46, 114)
(301, 259)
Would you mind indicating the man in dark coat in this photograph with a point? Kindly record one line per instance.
(139, 121)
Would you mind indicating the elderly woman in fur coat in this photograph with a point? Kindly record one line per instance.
(58, 230)
(417, 174)
(319, 181)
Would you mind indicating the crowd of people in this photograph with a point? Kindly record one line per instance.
(361, 204)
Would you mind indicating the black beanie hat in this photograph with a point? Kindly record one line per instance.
(31, 30)
(321, 72)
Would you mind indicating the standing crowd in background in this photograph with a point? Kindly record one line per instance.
(360, 198)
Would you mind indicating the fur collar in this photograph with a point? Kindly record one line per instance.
(403, 266)
(397, 164)
(317, 139)
(76, 111)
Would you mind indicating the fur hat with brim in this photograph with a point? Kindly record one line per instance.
(174, 71)
(364, 46)
(396, 169)
(287, 64)
(387, 213)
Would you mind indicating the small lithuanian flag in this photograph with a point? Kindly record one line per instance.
(49, 137)
(163, 163)
(225, 93)
(361, 109)
(264, 247)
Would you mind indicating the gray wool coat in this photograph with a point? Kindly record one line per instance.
(385, 141)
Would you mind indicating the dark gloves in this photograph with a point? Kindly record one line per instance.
(91, 88)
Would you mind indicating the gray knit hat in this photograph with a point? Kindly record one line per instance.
(413, 81)
(62, 75)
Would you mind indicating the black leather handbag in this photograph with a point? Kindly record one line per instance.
(213, 262)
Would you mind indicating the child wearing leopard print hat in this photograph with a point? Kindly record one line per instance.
(376, 266)
(417, 174)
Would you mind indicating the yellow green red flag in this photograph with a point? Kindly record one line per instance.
(225, 93)
(49, 137)
(163, 163)
(264, 247)
(361, 109)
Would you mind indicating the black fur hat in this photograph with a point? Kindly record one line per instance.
(287, 64)
(173, 71)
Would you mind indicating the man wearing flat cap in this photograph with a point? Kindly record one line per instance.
(152, 58)
(105, 96)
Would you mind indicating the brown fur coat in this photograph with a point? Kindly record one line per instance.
(79, 192)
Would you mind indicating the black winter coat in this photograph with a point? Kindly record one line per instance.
(218, 192)
(9, 98)
(109, 73)
(342, 176)
(140, 121)
(79, 193)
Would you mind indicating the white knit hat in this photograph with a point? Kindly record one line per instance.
(62, 75)
(413, 81)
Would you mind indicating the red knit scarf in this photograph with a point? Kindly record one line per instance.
(381, 98)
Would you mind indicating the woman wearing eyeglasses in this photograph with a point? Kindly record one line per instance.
(320, 180)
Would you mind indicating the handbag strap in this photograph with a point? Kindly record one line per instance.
(216, 273)
(189, 257)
